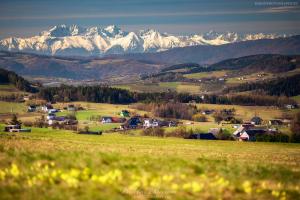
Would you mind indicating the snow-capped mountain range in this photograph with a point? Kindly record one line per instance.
(74, 40)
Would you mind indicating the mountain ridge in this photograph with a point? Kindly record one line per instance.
(74, 40)
(206, 55)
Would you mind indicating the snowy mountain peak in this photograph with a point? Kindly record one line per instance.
(113, 29)
(75, 40)
(62, 31)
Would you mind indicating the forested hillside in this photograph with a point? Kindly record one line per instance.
(9, 77)
(287, 86)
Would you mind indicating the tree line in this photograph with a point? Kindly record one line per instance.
(105, 94)
(99, 94)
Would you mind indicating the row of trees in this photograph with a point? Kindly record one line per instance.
(105, 94)
(99, 94)
(169, 110)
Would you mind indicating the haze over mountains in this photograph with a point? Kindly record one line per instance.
(63, 40)
(144, 63)
(110, 52)
(209, 54)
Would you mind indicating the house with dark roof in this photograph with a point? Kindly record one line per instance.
(31, 108)
(132, 123)
(256, 120)
(242, 128)
(275, 122)
(203, 136)
(16, 128)
(125, 113)
(207, 112)
(46, 107)
(250, 134)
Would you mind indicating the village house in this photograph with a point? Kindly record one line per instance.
(46, 107)
(106, 120)
(242, 128)
(290, 106)
(125, 113)
(132, 123)
(15, 128)
(53, 110)
(275, 122)
(26, 98)
(256, 120)
(51, 116)
(172, 124)
(70, 122)
(150, 123)
(286, 122)
(207, 112)
(203, 136)
(31, 108)
(8, 128)
(71, 107)
(58, 119)
(250, 134)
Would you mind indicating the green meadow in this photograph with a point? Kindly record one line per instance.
(65, 165)
(62, 164)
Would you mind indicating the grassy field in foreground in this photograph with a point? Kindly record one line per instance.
(53, 164)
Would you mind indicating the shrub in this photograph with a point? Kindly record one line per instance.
(72, 116)
(217, 117)
(168, 110)
(95, 118)
(159, 132)
(279, 137)
(40, 122)
(70, 127)
(14, 120)
(86, 128)
(199, 117)
(180, 132)
(28, 124)
(236, 121)
(224, 135)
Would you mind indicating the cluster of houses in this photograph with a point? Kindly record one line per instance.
(244, 132)
(139, 122)
(249, 131)
(16, 128)
(48, 108)
(51, 117)
(212, 79)
(136, 121)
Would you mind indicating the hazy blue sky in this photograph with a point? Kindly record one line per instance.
(29, 17)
